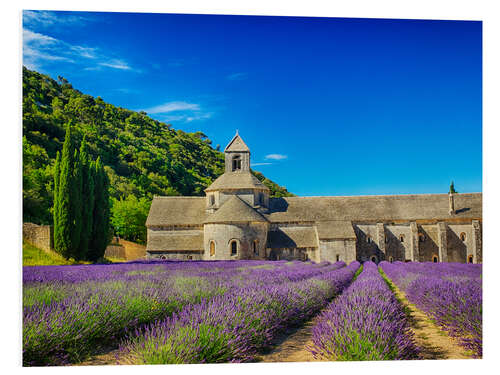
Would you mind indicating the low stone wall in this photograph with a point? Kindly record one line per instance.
(41, 236)
(127, 250)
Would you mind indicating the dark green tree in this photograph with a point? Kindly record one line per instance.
(452, 188)
(76, 206)
(87, 200)
(63, 208)
(100, 227)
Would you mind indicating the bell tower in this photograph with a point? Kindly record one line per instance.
(237, 155)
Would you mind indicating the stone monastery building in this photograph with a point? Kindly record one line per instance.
(238, 220)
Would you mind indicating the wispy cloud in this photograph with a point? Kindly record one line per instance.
(179, 111)
(237, 76)
(255, 164)
(39, 49)
(45, 19)
(173, 106)
(275, 157)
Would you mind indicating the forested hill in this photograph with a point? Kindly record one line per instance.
(142, 156)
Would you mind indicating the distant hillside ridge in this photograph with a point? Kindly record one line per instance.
(142, 156)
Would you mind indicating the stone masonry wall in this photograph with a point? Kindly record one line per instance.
(41, 236)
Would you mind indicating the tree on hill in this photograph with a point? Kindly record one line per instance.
(81, 203)
(128, 218)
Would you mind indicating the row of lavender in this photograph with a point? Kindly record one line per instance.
(450, 293)
(234, 327)
(70, 310)
(366, 322)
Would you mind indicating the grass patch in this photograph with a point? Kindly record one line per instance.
(33, 256)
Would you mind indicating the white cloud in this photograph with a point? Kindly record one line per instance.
(255, 164)
(275, 157)
(237, 76)
(172, 107)
(179, 111)
(45, 19)
(39, 49)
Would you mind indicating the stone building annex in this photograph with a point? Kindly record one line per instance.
(238, 220)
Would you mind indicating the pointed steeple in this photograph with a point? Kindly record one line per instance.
(237, 145)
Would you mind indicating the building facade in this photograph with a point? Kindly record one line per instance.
(237, 219)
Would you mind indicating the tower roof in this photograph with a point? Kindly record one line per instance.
(237, 145)
(236, 211)
(236, 180)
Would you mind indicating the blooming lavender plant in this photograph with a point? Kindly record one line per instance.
(69, 311)
(366, 322)
(233, 327)
(450, 293)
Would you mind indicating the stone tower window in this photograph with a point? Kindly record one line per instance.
(212, 248)
(402, 237)
(368, 239)
(421, 237)
(237, 163)
(338, 257)
(234, 247)
(462, 236)
(470, 259)
(212, 200)
(256, 247)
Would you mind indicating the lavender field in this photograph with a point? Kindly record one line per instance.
(161, 312)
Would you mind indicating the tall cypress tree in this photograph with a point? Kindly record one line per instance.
(65, 221)
(56, 208)
(100, 226)
(76, 206)
(87, 199)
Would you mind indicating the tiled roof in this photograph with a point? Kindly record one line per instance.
(236, 180)
(234, 210)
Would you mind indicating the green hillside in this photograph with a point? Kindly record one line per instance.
(142, 156)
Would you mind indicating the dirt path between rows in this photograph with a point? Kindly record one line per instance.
(433, 342)
(291, 345)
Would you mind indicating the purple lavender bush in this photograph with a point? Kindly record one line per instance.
(71, 311)
(233, 327)
(365, 323)
(449, 293)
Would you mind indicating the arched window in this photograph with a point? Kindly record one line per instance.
(462, 236)
(373, 259)
(421, 237)
(386, 239)
(435, 258)
(470, 259)
(163, 257)
(233, 245)
(256, 247)
(212, 200)
(391, 259)
(338, 257)
(402, 237)
(368, 239)
(236, 163)
(212, 248)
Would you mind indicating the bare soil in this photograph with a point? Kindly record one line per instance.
(432, 340)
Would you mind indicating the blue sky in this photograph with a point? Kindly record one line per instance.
(327, 106)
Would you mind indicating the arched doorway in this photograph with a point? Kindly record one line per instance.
(470, 259)
(435, 259)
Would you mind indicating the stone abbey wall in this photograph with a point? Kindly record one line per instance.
(41, 236)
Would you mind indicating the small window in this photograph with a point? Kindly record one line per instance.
(391, 259)
(234, 247)
(470, 259)
(256, 247)
(368, 239)
(435, 258)
(338, 257)
(462, 236)
(212, 248)
(190, 257)
(374, 259)
(421, 237)
(402, 237)
(212, 200)
(261, 199)
(236, 163)
(163, 257)
(386, 239)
